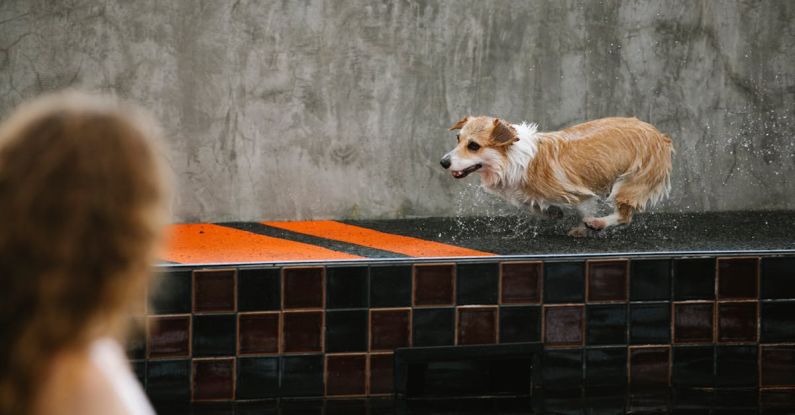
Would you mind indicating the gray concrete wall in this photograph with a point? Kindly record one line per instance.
(336, 109)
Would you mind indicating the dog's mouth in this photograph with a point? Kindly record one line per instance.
(460, 174)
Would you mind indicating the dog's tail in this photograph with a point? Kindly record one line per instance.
(649, 181)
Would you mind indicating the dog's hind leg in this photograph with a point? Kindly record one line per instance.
(621, 216)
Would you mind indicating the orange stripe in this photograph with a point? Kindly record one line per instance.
(375, 239)
(206, 243)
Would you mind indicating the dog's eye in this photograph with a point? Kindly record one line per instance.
(473, 146)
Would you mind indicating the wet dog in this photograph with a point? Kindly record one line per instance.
(625, 161)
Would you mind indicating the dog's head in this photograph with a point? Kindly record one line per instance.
(482, 144)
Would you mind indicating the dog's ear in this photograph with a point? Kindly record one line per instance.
(502, 133)
(460, 124)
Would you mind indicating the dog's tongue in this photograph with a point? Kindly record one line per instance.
(458, 174)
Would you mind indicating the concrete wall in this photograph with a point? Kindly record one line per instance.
(332, 109)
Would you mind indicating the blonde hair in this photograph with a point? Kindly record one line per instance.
(82, 196)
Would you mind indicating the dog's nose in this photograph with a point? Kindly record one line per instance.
(445, 162)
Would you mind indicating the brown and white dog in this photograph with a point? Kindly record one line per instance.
(625, 160)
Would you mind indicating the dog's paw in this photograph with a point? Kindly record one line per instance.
(578, 232)
(595, 224)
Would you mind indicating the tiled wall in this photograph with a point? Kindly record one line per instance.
(257, 333)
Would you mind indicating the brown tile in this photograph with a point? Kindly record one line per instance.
(738, 278)
(302, 331)
(693, 322)
(737, 322)
(390, 329)
(433, 285)
(607, 280)
(303, 288)
(477, 325)
(214, 290)
(649, 366)
(258, 333)
(345, 375)
(382, 374)
(563, 325)
(778, 365)
(213, 379)
(169, 336)
(521, 282)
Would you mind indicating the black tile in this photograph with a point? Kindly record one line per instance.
(564, 282)
(302, 375)
(778, 322)
(257, 377)
(650, 323)
(650, 280)
(606, 324)
(778, 365)
(736, 366)
(694, 279)
(139, 368)
(562, 369)
(259, 289)
(693, 366)
(136, 343)
(778, 278)
(477, 283)
(346, 287)
(390, 286)
(171, 292)
(168, 380)
(433, 326)
(346, 331)
(520, 324)
(606, 366)
(214, 335)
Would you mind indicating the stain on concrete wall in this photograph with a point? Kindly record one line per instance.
(336, 109)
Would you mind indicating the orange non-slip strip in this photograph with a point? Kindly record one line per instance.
(206, 244)
(375, 239)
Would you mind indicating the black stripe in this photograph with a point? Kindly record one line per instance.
(348, 248)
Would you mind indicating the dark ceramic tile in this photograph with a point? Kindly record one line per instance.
(736, 366)
(302, 288)
(693, 322)
(607, 280)
(777, 401)
(607, 324)
(520, 324)
(259, 289)
(650, 280)
(778, 278)
(346, 331)
(433, 327)
(390, 329)
(477, 283)
(649, 366)
(213, 379)
(214, 290)
(302, 331)
(563, 325)
(477, 325)
(562, 369)
(171, 292)
(778, 365)
(606, 367)
(737, 322)
(737, 278)
(693, 366)
(650, 323)
(778, 322)
(168, 380)
(169, 336)
(345, 375)
(382, 374)
(257, 377)
(521, 282)
(136, 341)
(258, 333)
(694, 279)
(302, 375)
(214, 335)
(564, 282)
(139, 369)
(390, 286)
(433, 285)
(346, 287)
